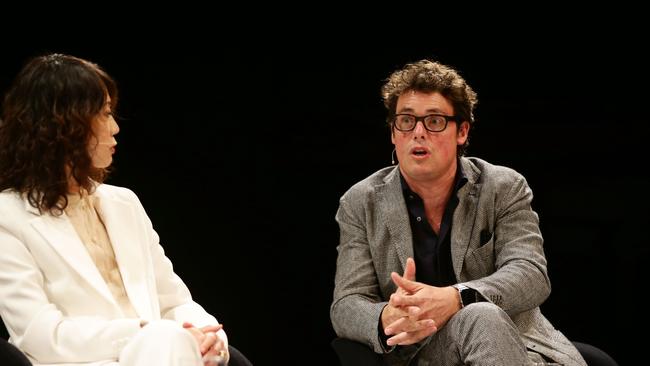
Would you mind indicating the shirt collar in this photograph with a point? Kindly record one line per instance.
(459, 180)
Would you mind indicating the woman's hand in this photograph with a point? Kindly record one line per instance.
(212, 348)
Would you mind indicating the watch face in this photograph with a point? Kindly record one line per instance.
(468, 295)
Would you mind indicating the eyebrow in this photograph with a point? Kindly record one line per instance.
(429, 111)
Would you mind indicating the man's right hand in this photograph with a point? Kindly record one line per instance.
(403, 322)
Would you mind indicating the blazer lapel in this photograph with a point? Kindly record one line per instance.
(120, 220)
(464, 216)
(61, 235)
(393, 212)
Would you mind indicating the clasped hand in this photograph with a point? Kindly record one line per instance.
(210, 345)
(416, 310)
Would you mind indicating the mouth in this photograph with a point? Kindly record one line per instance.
(420, 152)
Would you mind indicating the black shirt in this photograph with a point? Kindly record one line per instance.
(432, 251)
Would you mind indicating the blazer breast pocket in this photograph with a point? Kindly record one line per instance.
(485, 237)
(480, 261)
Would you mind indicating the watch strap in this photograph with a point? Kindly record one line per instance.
(467, 295)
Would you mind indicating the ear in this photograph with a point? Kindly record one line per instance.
(462, 133)
(392, 136)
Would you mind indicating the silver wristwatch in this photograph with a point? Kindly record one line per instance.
(467, 295)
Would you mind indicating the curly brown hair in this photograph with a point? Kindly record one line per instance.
(46, 125)
(430, 76)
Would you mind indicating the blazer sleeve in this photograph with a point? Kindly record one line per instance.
(357, 304)
(520, 281)
(37, 327)
(174, 297)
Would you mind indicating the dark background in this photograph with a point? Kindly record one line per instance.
(239, 149)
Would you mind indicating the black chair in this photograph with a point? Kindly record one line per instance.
(594, 355)
(237, 358)
(351, 353)
(11, 356)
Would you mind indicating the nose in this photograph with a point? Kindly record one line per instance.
(115, 129)
(419, 130)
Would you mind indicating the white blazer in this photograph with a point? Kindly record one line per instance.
(53, 300)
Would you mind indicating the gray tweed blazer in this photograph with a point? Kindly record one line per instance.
(496, 248)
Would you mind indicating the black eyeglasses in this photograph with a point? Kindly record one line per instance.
(432, 122)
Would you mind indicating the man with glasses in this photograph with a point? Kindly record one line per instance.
(460, 231)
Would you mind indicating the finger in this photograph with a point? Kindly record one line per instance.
(400, 325)
(423, 333)
(212, 328)
(419, 325)
(188, 325)
(400, 311)
(413, 311)
(211, 353)
(408, 325)
(395, 327)
(213, 358)
(216, 357)
(407, 338)
(409, 271)
(401, 339)
(219, 345)
(222, 350)
(404, 301)
(408, 285)
(208, 342)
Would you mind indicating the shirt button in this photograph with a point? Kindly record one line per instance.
(419, 218)
(410, 197)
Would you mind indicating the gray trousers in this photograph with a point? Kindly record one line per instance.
(479, 334)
